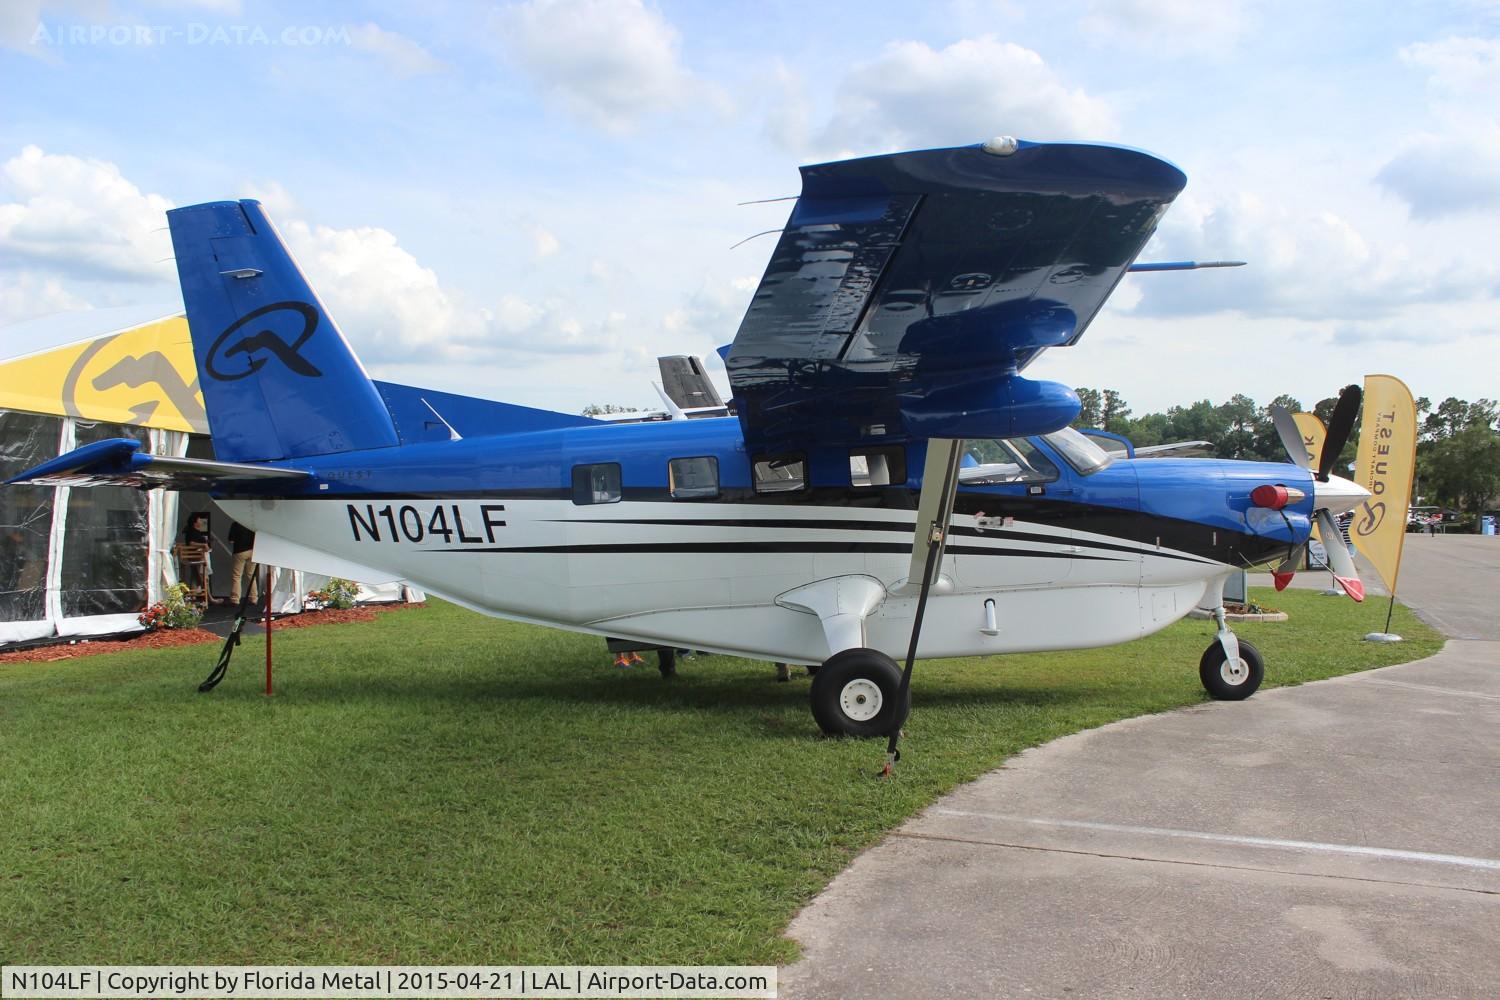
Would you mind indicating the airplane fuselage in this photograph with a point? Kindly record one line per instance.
(621, 530)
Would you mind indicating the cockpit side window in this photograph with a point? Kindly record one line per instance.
(1005, 460)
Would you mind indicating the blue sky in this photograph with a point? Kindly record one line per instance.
(532, 200)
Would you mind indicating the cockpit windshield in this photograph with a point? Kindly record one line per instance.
(1081, 453)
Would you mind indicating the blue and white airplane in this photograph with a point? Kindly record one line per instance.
(889, 483)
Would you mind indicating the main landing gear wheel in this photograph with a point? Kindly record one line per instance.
(1228, 681)
(854, 694)
(666, 662)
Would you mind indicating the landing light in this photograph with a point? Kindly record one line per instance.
(1276, 497)
(1001, 145)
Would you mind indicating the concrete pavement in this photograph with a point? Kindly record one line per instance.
(1339, 839)
(1453, 583)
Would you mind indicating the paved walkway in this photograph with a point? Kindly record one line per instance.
(1339, 839)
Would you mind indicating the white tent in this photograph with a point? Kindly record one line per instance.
(83, 562)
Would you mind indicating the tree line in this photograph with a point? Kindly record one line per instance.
(1458, 442)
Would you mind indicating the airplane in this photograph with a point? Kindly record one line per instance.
(889, 482)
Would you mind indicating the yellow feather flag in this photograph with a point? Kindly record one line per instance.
(1386, 462)
(1313, 432)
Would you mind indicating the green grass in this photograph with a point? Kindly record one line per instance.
(439, 787)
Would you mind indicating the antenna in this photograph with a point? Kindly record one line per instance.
(453, 435)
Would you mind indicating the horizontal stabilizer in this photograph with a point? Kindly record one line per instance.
(120, 462)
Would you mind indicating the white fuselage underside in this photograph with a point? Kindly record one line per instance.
(690, 584)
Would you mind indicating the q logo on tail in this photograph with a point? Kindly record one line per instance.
(259, 346)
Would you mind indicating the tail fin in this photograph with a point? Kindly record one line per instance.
(279, 380)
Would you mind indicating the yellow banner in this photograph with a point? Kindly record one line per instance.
(144, 376)
(1310, 425)
(1313, 433)
(1387, 459)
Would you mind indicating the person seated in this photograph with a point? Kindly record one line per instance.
(196, 530)
(193, 554)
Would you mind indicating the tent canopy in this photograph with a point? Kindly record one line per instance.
(85, 365)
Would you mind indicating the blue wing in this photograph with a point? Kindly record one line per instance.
(908, 290)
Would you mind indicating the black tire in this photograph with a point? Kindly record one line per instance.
(854, 694)
(666, 662)
(1225, 685)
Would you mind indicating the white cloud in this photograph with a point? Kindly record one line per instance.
(1300, 264)
(73, 223)
(1168, 27)
(539, 328)
(220, 6)
(82, 218)
(544, 243)
(607, 62)
(20, 19)
(274, 198)
(1447, 174)
(27, 295)
(385, 301)
(787, 118)
(711, 315)
(400, 53)
(1453, 168)
(395, 310)
(1458, 67)
(913, 95)
(1305, 262)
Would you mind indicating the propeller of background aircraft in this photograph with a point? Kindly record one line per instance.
(1330, 492)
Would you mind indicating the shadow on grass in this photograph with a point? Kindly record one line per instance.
(727, 694)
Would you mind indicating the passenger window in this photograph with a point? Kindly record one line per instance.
(693, 478)
(1012, 460)
(780, 473)
(596, 483)
(877, 467)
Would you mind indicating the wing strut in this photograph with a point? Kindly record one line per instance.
(934, 512)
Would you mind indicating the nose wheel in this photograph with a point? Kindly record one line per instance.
(1228, 679)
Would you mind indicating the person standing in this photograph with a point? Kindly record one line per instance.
(242, 542)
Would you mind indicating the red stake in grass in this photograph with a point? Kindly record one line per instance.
(268, 631)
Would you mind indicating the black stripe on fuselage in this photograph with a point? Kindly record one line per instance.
(897, 548)
(1008, 534)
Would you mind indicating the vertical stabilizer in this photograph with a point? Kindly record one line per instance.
(279, 380)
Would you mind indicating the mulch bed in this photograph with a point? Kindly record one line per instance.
(162, 638)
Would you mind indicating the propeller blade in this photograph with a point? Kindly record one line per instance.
(1282, 575)
(1339, 559)
(1339, 427)
(1291, 437)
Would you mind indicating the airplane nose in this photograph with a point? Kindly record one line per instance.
(1338, 495)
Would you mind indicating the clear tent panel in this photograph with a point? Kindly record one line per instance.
(106, 539)
(26, 440)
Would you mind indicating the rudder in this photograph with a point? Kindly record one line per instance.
(279, 379)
